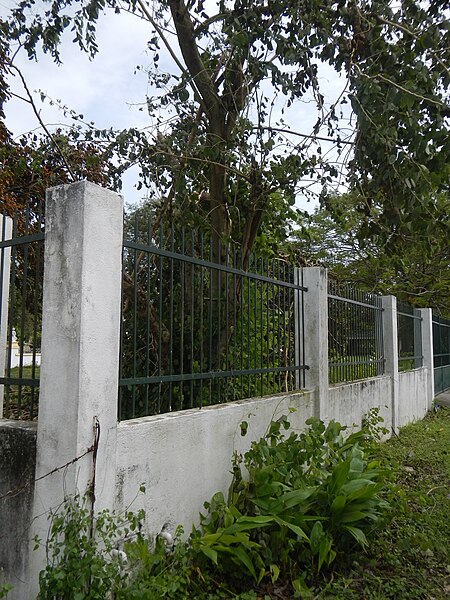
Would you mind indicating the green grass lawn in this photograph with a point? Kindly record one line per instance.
(410, 559)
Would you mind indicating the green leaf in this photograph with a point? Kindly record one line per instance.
(358, 534)
(295, 528)
(209, 553)
(325, 555)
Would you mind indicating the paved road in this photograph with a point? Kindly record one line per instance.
(443, 398)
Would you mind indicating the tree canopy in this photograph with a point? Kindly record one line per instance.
(222, 158)
(417, 272)
(36, 162)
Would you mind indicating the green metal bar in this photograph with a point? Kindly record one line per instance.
(148, 317)
(23, 324)
(135, 310)
(201, 317)
(208, 264)
(227, 322)
(11, 312)
(23, 381)
(303, 360)
(235, 322)
(191, 401)
(182, 316)
(122, 342)
(210, 314)
(203, 376)
(160, 319)
(22, 240)
(219, 320)
(351, 301)
(38, 285)
(171, 318)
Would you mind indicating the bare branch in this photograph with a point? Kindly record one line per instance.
(41, 122)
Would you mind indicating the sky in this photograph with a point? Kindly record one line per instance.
(109, 90)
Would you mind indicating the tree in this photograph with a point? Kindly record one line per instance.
(27, 168)
(416, 269)
(218, 162)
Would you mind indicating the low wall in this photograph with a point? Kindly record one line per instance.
(412, 402)
(349, 403)
(185, 457)
(17, 465)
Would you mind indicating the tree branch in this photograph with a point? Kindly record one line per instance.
(189, 50)
(41, 122)
(159, 31)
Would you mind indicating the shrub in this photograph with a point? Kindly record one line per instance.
(295, 501)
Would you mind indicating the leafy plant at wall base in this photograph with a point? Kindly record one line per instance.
(296, 501)
(5, 588)
(82, 557)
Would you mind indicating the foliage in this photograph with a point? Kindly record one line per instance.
(4, 589)
(82, 557)
(410, 557)
(307, 496)
(415, 268)
(217, 153)
(300, 501)
(188, 319)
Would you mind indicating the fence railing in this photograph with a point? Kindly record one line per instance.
(441, 353)
(21, 283)
(201, 325)
(355, 333)
(409, 324)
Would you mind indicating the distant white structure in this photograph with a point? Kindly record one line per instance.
(27, 357)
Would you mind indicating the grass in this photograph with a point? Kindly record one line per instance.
(409, 559)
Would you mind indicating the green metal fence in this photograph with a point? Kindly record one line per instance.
(355, 333)
(201, 325)
(441, 353)
(22, 254)
(409, 334)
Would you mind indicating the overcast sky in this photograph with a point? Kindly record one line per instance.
(108, 90)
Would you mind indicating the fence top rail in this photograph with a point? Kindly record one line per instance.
(22, 240)
(409, 315)
(441, 322)
(153, 249)
(357, 302)
(347, 293)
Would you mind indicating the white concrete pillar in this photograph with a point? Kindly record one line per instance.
(315, 335)
(390, 347)
(5, 264)
(427, 351)
(80, 350)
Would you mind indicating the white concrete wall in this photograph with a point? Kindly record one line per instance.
(349, 403)
(412, 395)
(184, 458)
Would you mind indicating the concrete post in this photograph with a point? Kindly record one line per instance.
(80, 352)
(390, 347)
(418, 348)
(427, 351)
(5, 264)
(315, 336)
